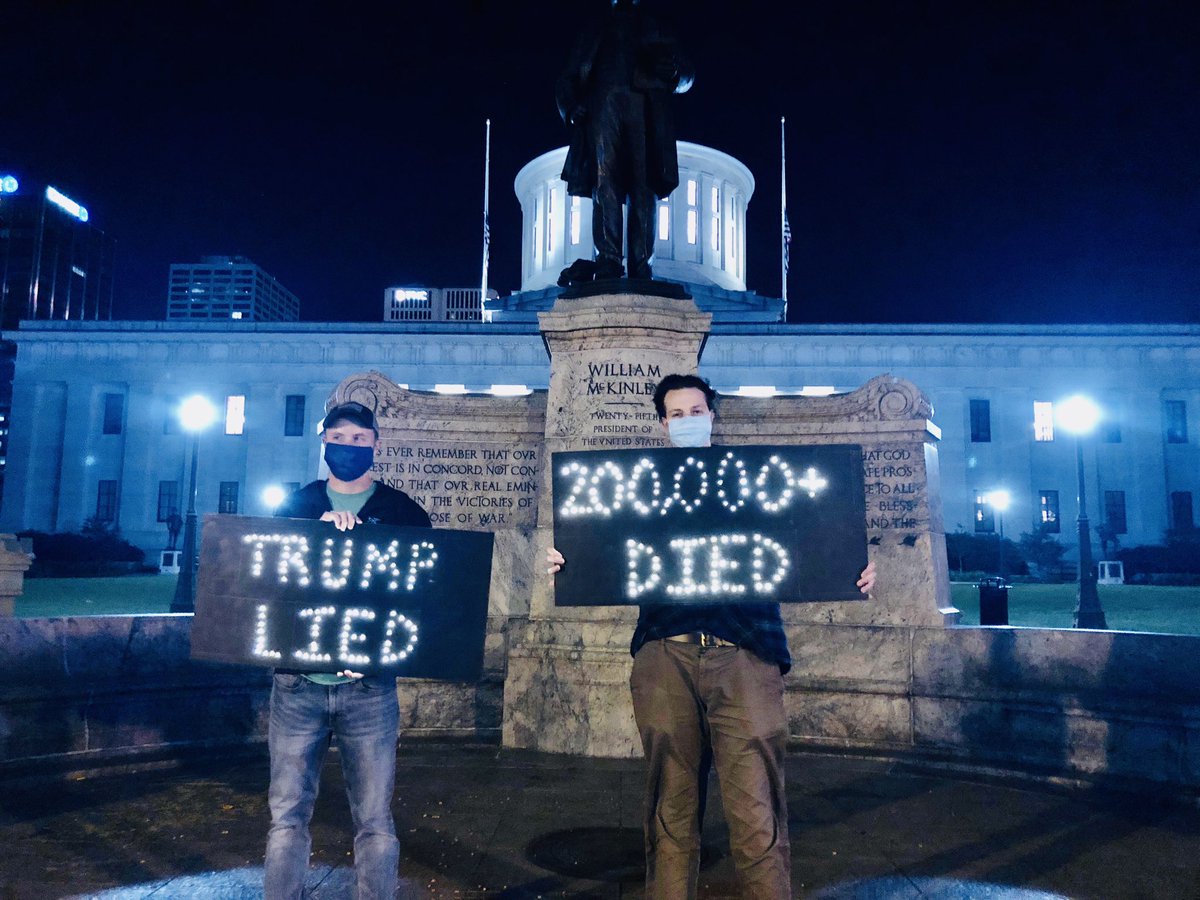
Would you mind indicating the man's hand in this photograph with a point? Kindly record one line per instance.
(555, 561)
(866, 581)
(341, 519)
(346, 673)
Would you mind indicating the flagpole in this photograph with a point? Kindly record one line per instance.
(783, 222)
(487, 237)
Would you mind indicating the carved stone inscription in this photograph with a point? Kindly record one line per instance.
(620, 408)
(894, 479)
(474, 486)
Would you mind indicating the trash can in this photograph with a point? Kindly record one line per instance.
(993, 601)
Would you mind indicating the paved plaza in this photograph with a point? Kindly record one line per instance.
(478, 821)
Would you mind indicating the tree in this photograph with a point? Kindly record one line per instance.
(1043, 551)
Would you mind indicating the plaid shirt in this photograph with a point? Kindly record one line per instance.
(758, 627)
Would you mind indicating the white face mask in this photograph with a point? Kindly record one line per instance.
(690, 431)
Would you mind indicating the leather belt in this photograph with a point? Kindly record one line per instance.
(703, 638)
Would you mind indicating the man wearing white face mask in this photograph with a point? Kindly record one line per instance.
(309, 709)
(707, 689)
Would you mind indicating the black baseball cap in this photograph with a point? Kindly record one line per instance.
(352, 412)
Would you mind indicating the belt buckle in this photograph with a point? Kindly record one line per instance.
(709, 640)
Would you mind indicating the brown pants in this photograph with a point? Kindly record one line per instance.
(698, 706)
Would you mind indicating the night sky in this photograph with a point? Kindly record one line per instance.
(968, 161)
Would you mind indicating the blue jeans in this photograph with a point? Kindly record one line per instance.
(363, 716)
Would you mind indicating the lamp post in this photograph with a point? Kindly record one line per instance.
(1079, 416)
(195, 414)
(1000, 501)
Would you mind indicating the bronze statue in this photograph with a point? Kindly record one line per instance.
(615, 96)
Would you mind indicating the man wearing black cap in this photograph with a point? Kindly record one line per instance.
(307, 709)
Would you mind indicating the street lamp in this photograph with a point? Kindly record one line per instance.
(272, 496)
(1079, 416)
(195, 414)
(1000, 501)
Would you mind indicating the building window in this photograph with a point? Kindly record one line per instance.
(235, 413)
(114, 412)
(981, 421)
(1048, 507)
(693, 215)
(106, 501)
(290, 487)
(664, 221)
(1110, 431)
(293, 416)
(227, 501)
(171, 419)
(1114, 511)
(1181, 511)
(1043, 420)
(985, 518)
(168, 499)
(576, 220)
(1175, 412)
(714, 239)
(551, 220)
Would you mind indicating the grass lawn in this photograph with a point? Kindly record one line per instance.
(96, 596)
(1127, 607)
(1174, 610)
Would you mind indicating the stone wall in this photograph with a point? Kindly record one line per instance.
(1110, 707)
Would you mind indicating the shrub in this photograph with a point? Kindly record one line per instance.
(973, 553)
(97, 549)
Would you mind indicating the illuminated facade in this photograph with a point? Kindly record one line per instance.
(54, 262)
(228, 287)
(101, 399)
(430, 304)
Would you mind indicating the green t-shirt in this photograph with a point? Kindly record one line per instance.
(342, 503)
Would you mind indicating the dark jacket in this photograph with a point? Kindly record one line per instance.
(387, 506)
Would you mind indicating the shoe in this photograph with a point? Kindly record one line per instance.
(606, 270)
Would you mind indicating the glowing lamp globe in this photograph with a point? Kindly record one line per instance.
(1078, 414)
(1000, 500)
(272, 496)
(196, 413)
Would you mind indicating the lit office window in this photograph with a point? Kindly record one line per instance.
(693, 191)
(293, 416)
(1048, 510)
(985, 518)
(692, 226)
(235, 413)
(664, 221)
(227, 500)
(1175, 413)
(1043, 420)
(981, 421)
(576, 220)
(1114, 511)
(106, 501)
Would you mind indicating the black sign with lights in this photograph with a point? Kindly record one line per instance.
(299, 594)
(712, 525)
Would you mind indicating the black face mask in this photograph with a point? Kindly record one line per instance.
(347, 462)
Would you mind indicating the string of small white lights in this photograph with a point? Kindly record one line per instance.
(732, 483)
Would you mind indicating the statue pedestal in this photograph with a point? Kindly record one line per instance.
(15, 559)
(567, 687)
